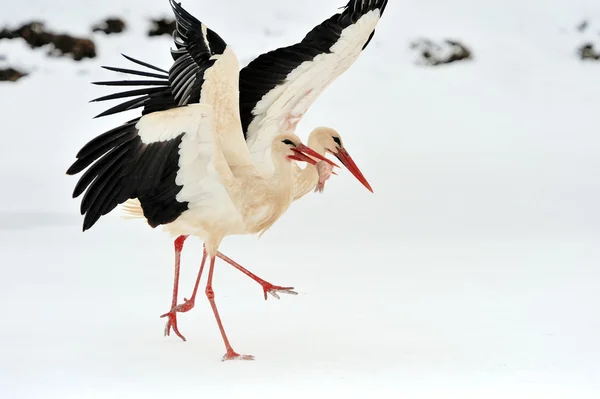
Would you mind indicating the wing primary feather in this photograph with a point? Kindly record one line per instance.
(187, 93)
(194, 43)
(97, 193)
(132, 83)
(271, 70)
(136, 72)
(188, 79)
(96, 175)
(182, 76)
(130, 93)
(97, 151)
(126, 106)
(142, 63)
(106, 137)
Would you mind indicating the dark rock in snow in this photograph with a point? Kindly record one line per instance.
(110, 26)
(35, 34)
(587, 52)
(434, 54)
(10, 75)
(78, 48)
(162, 26)
(582, 26)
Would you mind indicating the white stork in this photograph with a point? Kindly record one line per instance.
(275, 90)
(189, 167)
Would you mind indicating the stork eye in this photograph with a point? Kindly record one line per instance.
(289, 142)
(337, 140)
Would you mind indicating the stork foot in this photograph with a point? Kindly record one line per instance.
(172, 323)
(231, 355)
(186, 306)
(275, 290)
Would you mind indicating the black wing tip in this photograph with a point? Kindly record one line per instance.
(125, 106)
(142, 63)
(179, 11)
(88, 223)
(177, 7)
(73, 169)
(160, 81)
(361, 7)
(136, 72)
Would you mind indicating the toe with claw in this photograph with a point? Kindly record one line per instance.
(172, 323)
(186, 306)
(231, 355)
(275, 290)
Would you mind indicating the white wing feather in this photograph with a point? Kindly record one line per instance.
(203, 173)
(281, 109)
(221, 91)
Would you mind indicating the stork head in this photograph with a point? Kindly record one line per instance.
(290, 147)
(325, 139)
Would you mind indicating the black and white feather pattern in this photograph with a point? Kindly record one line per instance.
(128, 163)
(195, 45)
(267, 72)
(272, 70)
(124, 167)
(142, 159)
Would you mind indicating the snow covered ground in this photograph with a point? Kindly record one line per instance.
(472, 272)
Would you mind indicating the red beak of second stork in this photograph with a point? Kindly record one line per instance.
(300, 154)
(348, 162)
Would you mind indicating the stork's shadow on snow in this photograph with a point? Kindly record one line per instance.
(25, 220)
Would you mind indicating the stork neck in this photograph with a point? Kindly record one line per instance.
(282, 175)
(305, 180)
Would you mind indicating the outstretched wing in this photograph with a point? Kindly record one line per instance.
(193, 56)
(166, 160)
(205, 70)
(278, 87)
(175, 157)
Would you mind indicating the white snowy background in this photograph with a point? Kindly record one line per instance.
(472, 272)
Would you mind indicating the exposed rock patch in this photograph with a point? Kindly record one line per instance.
(35, 34)
(583, 25)
(10, 75)
(587, 52)
(162, 26)
(434, 54)
(110, 26)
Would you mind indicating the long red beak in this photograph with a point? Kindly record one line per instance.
(300, 154)
(345, 158)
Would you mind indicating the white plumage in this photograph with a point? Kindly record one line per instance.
(282, 108)
(212, 154)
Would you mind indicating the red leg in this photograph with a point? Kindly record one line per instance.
(210, 294)
(188, 304)
(267, 287)
(172, 322)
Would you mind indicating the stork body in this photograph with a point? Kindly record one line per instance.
(190, 169)
(275, 91)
